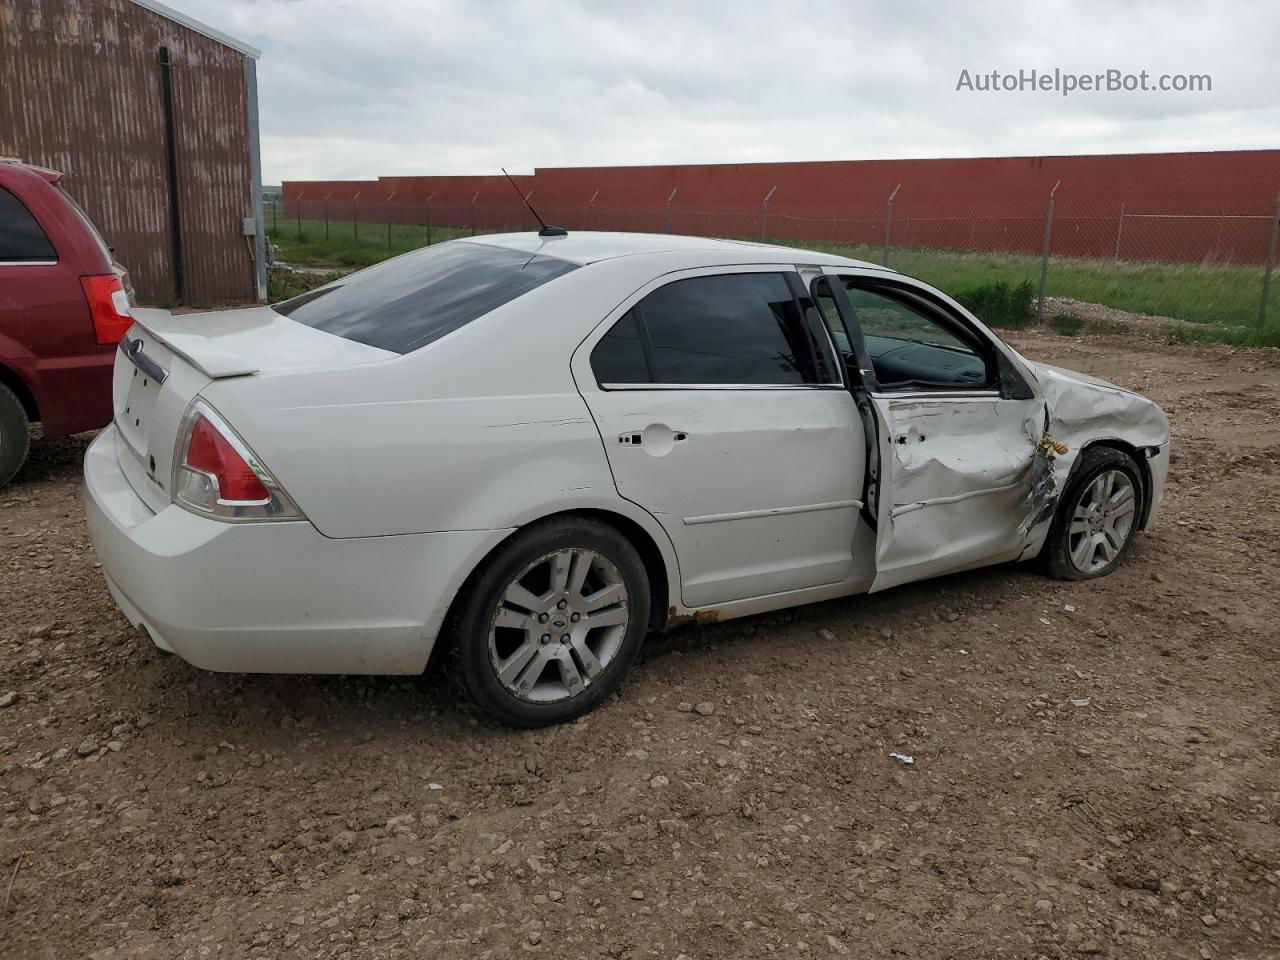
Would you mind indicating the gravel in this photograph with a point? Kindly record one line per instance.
(773, 821)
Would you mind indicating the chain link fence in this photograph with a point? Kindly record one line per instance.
(1084, 256)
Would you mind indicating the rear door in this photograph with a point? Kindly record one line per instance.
(725, 416)
(957, 431)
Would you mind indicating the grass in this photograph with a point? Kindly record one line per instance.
(1212, 303)
(1268, 336)
(342, 243)
(1067, 325)
(283, 284)
(1219, 295)
(998, 304)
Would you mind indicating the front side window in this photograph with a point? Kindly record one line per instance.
(742, 328)
(21, 238)
(406, 303)
(909, 348)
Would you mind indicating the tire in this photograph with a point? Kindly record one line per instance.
(552, 623)
(1088, 538)
(14, 440)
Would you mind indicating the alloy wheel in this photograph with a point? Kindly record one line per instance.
(558, 625)
(1102, 521)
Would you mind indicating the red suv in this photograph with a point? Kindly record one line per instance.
(64, 304)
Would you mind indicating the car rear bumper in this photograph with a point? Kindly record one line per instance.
(272, 597)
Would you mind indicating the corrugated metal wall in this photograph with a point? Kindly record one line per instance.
(80, 92)
(1213, 206)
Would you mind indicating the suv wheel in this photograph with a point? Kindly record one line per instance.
(14, 440)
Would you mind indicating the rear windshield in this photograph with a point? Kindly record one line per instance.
(408, 302)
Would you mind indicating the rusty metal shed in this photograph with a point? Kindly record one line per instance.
(152, 117)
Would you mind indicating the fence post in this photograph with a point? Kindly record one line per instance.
(764, 220)
(671, 197)
(326, 215)
(1044, 253)
(888, 223)
(355, 219)
(1271, 260)
(430, 197)
(473, 212)
(1120, 230)
(297, 209)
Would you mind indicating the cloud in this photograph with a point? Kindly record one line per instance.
(444, 86)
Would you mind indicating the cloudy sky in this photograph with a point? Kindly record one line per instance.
(358, 89)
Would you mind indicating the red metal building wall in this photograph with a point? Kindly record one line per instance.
(1166, 206)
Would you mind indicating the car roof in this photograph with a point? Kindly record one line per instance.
(587, 246)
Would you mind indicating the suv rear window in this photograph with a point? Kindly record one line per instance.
(21, 238)
(408, 302)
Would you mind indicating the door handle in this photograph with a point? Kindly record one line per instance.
(638, 439)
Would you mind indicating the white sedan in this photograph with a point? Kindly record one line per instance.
(530, 451)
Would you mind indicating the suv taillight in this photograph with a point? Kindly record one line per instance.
(108, 305)
(216, 474)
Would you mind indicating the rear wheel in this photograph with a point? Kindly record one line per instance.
(14, 440)
(1097, 517)
(553, 622)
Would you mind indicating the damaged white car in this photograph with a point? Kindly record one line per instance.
(529, 451)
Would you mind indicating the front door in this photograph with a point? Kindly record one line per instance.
(957, 431)
(724, 415)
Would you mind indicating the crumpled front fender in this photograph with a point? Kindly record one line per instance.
(1081, 411)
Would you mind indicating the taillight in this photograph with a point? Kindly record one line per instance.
(108, 306)
(217, 474)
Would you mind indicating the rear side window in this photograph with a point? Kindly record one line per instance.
(21, 238)
(408, 302)
(743, 328)
(620, 357)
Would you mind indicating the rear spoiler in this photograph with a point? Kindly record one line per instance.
(182, 335)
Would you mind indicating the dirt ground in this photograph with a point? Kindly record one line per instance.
(151, 810)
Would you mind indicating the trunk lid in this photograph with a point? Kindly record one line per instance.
(164, 361)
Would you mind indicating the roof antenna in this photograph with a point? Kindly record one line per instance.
(546, 231)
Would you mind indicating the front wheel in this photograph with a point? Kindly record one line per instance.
(1097, 517)
(553, 622)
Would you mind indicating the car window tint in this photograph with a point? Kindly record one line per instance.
(20, 236)
(408, 302)
(739, 328)
(910, 348)
(619, 356)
